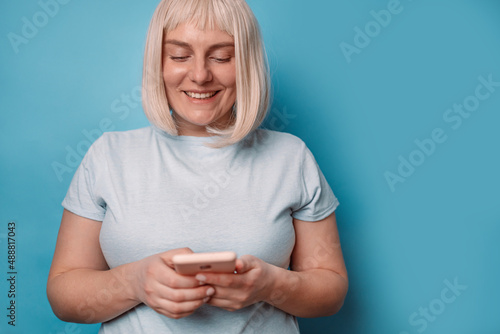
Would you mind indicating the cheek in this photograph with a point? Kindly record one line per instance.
(227, 78)
(172, 76)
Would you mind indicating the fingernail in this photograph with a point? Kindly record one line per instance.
(210, 291)
(206, 299)
(201, 277)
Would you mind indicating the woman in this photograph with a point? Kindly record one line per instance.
(201, 178)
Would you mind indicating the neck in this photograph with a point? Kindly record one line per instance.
(188, 129)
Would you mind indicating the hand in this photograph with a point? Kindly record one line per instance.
(161, 288)
(252, 284)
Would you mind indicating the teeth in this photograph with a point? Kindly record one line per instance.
(200, 96)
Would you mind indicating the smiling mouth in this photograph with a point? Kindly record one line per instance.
(201, 96)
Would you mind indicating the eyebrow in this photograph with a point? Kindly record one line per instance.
(187, 45)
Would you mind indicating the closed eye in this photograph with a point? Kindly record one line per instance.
(222, 60)
(179, 59)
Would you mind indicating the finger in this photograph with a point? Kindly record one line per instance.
(226, 304)
(225, 293)
(172, 279)
(177, 310)
(175, 316)
(218, 279)
(183, 295)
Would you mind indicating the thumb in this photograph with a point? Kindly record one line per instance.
(168, 255)
(245, 263)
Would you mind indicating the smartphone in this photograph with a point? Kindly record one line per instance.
(191, 264)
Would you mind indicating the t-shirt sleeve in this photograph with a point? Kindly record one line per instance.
(317, 198)
(81, 198)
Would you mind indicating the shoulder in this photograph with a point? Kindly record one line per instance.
(279, 149)
(117, 145)
(130, 136)
(119, 140)
(275, 140)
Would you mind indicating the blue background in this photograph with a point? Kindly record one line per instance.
(358, 115)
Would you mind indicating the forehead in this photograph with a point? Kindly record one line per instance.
(190, 33)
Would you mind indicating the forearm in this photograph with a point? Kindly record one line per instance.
(92, 296)
(311, 293)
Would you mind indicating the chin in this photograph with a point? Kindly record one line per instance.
(201, 121)
(202, 117)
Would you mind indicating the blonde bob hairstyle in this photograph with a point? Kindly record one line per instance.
(252, 71)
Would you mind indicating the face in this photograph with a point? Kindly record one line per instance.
(200, 78)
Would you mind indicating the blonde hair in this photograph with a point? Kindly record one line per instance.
(252, 71)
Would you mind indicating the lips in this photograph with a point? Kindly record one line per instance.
(201, 96)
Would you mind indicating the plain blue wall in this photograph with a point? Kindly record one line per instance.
(360, 103)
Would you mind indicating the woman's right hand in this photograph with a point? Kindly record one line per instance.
(168, 293)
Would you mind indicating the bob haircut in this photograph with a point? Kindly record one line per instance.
(252, 70)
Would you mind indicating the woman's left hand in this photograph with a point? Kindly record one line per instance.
(252, 283)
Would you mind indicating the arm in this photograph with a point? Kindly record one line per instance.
(316, 286)
(81, 287)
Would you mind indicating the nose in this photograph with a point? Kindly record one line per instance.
(200, 72)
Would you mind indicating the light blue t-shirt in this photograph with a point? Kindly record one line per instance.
(154, 192)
